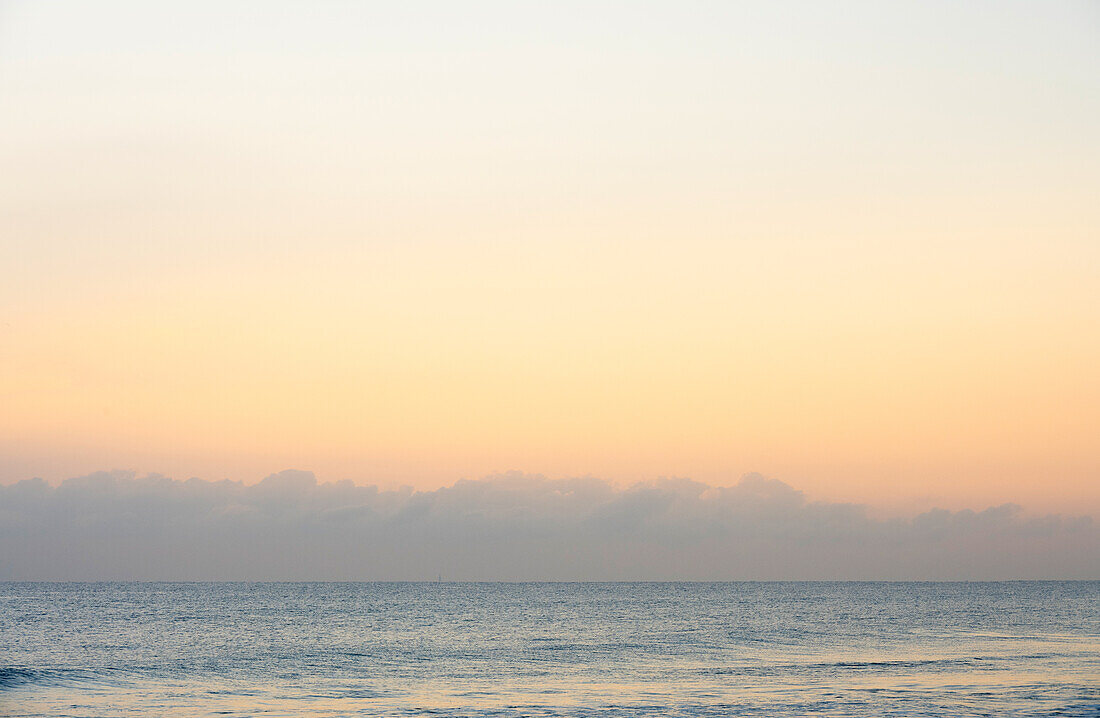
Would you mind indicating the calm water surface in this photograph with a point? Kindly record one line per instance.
(617, 649)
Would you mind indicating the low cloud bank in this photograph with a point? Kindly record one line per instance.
(113, 526)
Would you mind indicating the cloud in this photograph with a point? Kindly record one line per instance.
(115, 526)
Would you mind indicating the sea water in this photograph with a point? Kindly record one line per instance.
(549, 649)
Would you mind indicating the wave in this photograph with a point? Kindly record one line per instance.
(15, 676)
(971, 663)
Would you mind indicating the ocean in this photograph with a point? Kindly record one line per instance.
(550, 649)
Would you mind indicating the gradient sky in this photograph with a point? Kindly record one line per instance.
(854, 247)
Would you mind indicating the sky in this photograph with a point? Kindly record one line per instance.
(853, 247)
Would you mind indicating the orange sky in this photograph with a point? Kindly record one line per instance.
(694, 245)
